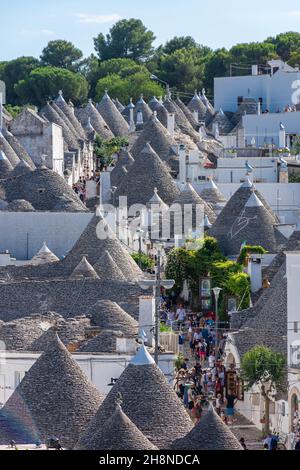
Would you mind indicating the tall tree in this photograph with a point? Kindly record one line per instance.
(216, 65)
(182, 69)
(184, 42)
(128, 87)
(286, 44)
(126, 39)
(15, 70)
(44, 83)
(253, 52)
(265, 368)
(61, 53)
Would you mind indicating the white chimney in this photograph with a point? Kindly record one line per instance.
(196, 116)
(255, 272)
(91, 189)
(147, 317)
(139, 118)
(171, 124)
(182, 164)
(282, 136)
(216, 130)
(241, 141)
(131, 121)
(258, 108)
(293, 315)
(105, 187)
(202, 132)
(6, 259)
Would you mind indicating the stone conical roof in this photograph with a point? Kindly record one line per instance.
(18, 335)
(196, 104)
(69, 113)
(211, 194)
(44, 255)
(8, 151)
(96, 238)
(266, 322)
(53, 116)
(20, 205)
(119, 433)
(156, 200)
(154, 103)
(149, 402)
(209, 434)
(45, 190)
(119, 105)
(248, 106)
(67, 121)
(84, 269)
(141, 106)
(145, 174)
(126, 111)
(162, 115)
(232, 210)
(97, 121)
(18, 148)
(55, 398)
(188, 195)
(223, 123)
(21, 168)
(188, 114)
(181, 120)
(104, 342)
(254, 226)
(107, 269)
(5, 165)
(292, 244)
(112, 116)
(125, 160)
(158, 137)
(72, 332)
(109, 315)
(210, 111)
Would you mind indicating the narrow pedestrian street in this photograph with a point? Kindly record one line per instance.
(201, 384)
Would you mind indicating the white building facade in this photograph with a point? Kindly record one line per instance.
(274, 90)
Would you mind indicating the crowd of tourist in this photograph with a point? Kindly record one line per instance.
(80, 186)
(200, 378)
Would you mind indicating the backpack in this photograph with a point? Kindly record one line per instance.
(273, 443)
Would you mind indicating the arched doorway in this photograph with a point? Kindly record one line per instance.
(295, 408)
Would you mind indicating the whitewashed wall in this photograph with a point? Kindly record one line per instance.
(23, 233)
(99, 368)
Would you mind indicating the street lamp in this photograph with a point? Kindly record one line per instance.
(217, 291)
(156, 285)
(155, 78)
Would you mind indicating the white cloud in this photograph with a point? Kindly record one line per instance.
(48, 32)
(41, 32)
(293, 13)
(90, 18)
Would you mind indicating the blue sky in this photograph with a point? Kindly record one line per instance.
(27, 25)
